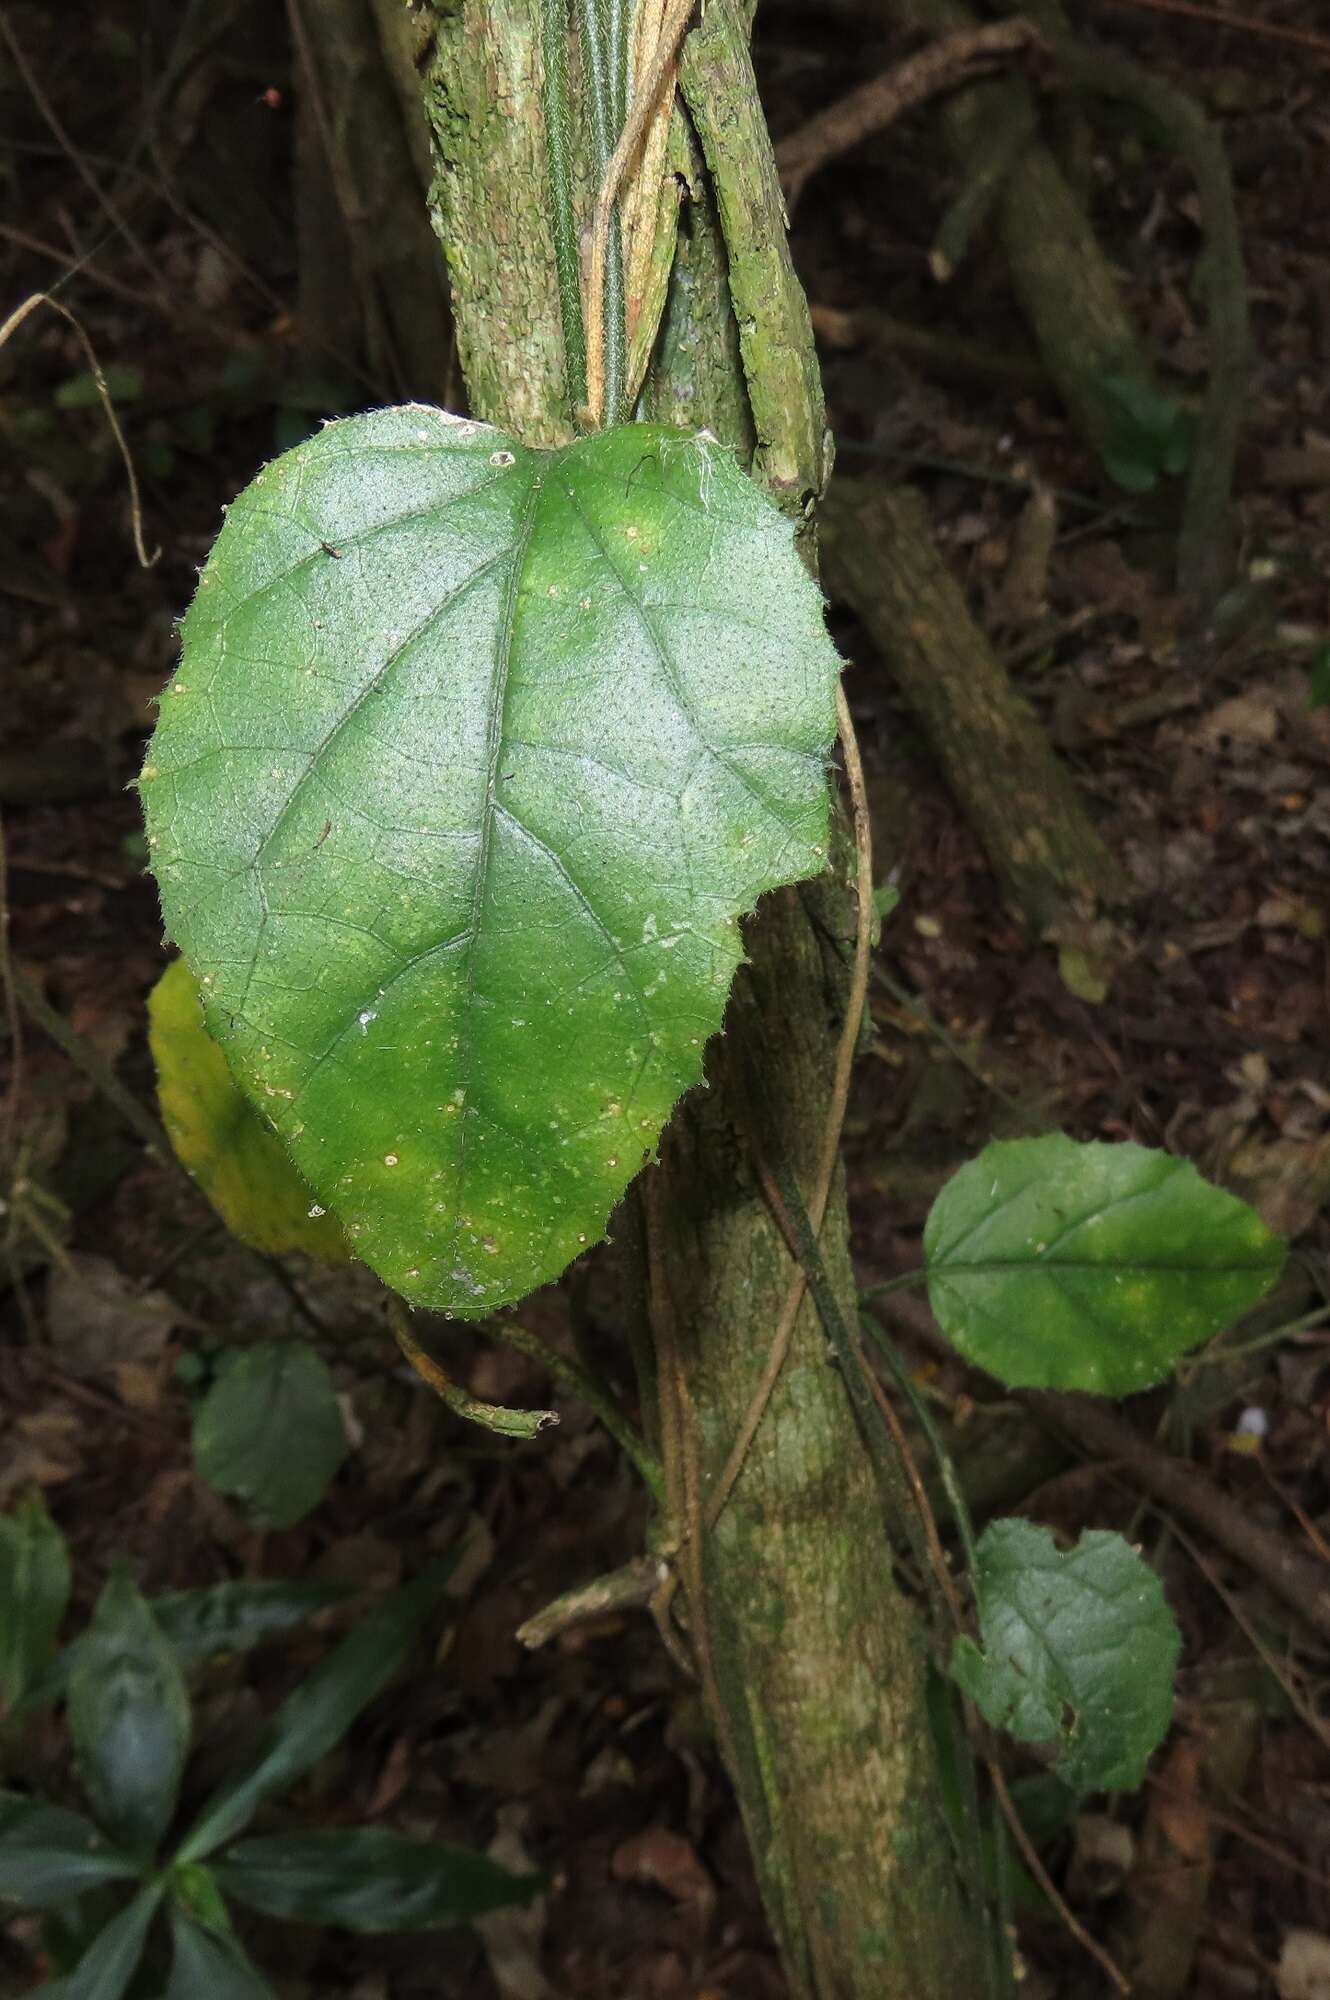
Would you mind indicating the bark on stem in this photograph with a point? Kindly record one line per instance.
(817, 1658)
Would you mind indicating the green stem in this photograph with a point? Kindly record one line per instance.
(563, 222)
(580, 1382)
(603, 29)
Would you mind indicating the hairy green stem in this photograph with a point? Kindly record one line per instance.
(563, 222)
(599, 21)
(581, 1382)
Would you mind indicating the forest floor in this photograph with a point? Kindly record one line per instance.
(1196, 1021)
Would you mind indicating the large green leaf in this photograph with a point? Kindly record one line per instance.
(34, 1591)
(475, 757)
(368, 1878)
(316, 1717)
(48, 1854)
(111, 1960)
(209, 1966)
(1079, 1650)
(238, 1160)
(1062, 1266)
(129, 1717)
(270, 1431)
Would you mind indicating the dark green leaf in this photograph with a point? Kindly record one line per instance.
(1055, 1265)
(129, 1716)
(34, 1591)
(48, 1854)
(369, 1879)
(316, 1717)
(210, 1965)
(1318, 680)
(1079, 1650)
(216, 1618)
(475, 759)
(270, 1431)
(111, 1960)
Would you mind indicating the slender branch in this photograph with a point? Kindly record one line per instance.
(942, 65)
(99, 1072)
(835, 1120)
(626, 1589)
(1302, 38)
(581, 1382)
(490, 1416)
(14, 321)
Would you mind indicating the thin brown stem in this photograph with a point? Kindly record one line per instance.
(835, 1120)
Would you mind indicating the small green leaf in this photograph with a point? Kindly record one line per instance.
(215, 1618)
(80, 392)
(238, 1161)
(111, 1960)
(34, 1592)
(129, 1716)
(194, 1890)
(270, 1431)
(369, 1879)
(48, 1854)
(211, 1965)
(1079, 1650)
(475, 758)
(1055, 1265)
(314, 1719)
(1318, 680)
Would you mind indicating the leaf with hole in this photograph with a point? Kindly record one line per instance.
(475, 758)
(1078, 1651)
(1056, 1265)
(270, 1431)
(238, 1160)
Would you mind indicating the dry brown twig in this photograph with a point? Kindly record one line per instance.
(957, 59)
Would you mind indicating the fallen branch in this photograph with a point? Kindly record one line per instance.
(880, 557)
(957, 59)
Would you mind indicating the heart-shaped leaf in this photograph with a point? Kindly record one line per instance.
(475, 757)
(1079, 1650)
(1056, 1265)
